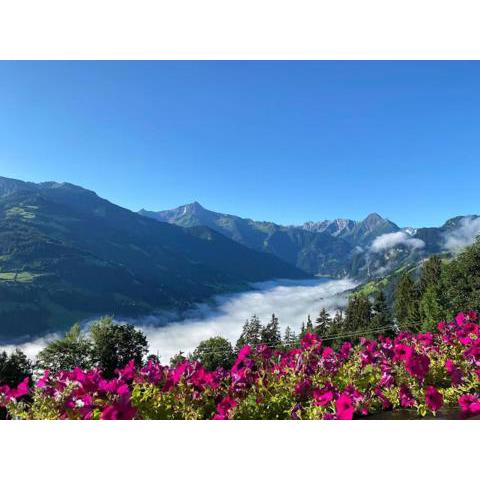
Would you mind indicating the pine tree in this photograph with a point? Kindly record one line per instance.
(432, 300)
(255, 331)
(309, 325)
(303, 330)
(430, 308)
(338, 318)
(290, 339)
(406, 307)
(358, 314)
(251, 333)
(431, 273)
(242, 339)
(322, 323)
(381, 317)
(334, 330)
(271, 334)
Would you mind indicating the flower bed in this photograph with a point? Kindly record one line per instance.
(422, 372)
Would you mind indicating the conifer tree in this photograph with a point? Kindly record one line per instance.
(358, 314)
(309, 324)
(406, 307)
(251, 333)
(381, 317)
(432, 300)
(431, 273)
(322, 323)
(430, 308)
(290, 339)
(303, 330)
(271, 334)
(334, 329)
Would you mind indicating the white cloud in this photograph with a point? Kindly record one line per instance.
(291, 301)
(464, 235)
(31, 348)
(390, 240)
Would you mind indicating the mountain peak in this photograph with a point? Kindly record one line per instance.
(374, 217)
(192, 208)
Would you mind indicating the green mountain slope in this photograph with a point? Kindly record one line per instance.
(312, 251)
(66, 253)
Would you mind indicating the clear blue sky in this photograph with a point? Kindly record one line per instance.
(280, 141)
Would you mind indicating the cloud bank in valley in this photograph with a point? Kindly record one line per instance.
(390, 240)
(464, 235)
(31, 348)
(291, 301)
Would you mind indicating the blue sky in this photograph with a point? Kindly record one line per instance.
(280, 141)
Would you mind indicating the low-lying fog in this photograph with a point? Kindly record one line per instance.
(290, 300)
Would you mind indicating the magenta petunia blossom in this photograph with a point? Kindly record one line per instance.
(470, 404)
(455, 373)
(460, 318)
(417, 365)
(303, 389)
(344, 407)
(310, 340)
(472, 315)
(406, 398)
(324, 396)
(224, 407)
(433, 398)
(402, 352)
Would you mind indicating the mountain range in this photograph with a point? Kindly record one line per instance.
(67, 254)
(363, 249)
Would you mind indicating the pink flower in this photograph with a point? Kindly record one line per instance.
(406, 398)
(244, 352)
(22, 389)
(426, 339)
(470, 404)
(387, 380)
(417, 366)
(472, 315)
(120, 410)
(344, 407)
(385, 401)
(309, 340)
(460, 319)
(402, 352)
(345, 350)
(179, 371)
(323, 396)
(327, 352)
(264, 351)
(42, 382)
(127, 372)
(473, 351)
(224, 407)
(455, 373)
(303, 389)
(433, 398)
